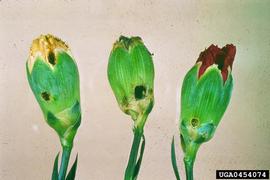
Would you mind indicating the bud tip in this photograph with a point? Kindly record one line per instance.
(222, 57)
(45, 46)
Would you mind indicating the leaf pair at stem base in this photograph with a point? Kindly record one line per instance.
(134, 162)
(61, 175)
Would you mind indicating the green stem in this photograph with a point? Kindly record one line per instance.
(189, 159)
(129, 173)
(189, 169)
(64, 163)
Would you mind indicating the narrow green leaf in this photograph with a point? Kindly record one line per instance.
(174, 163)
(138, 164)
(72, 173)
(55, 168)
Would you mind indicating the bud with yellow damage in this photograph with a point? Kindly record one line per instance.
(54, 79)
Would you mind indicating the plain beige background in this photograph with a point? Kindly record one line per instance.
(176, 32)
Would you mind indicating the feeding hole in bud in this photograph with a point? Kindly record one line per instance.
(220, 61)
(140, 92)
(45, 96)
(51, 58)
(194, 122)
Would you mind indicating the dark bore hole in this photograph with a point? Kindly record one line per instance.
(220, 61)
(45, 96)
(51, 58)
(140, 92)
(194, 122)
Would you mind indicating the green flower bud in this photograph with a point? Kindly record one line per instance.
(131, 76)
(54, 79)
(206, 92)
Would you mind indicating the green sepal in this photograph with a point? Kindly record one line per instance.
(203, 102)
(55, 168)
(61, 83)
(173, 160)
(58, 94)
(131, 76)
(72, 172)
